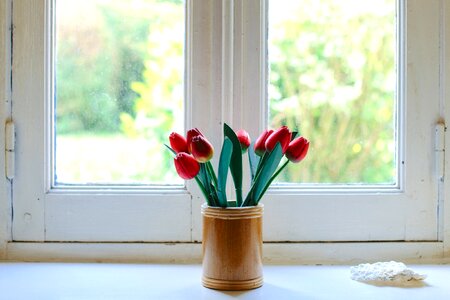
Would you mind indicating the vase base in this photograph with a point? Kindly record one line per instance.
(232, 285)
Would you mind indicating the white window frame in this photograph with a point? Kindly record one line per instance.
(225, 59)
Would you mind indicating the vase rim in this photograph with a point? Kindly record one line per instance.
(246, 212)
(233, 207)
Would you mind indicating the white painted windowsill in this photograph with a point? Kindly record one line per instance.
(149, 281)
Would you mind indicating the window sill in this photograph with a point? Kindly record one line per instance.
(150, 281)
(312, 253)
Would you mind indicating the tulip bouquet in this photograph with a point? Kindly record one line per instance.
(193, 155)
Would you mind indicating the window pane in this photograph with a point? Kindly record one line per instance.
(333, 78)
(119, 90)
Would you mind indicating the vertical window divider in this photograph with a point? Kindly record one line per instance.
(444, 205)
(205, 85)
(400, 101)
(228, 68)
(228, 45)
(49, 95)
(249, 101)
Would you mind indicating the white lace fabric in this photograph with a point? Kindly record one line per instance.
(391, 271)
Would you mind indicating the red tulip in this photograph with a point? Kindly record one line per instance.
(282, 136)
(191, 134)
(201, 149)
(297, 149)
(244, 139)
(178, 142)
(186, 165)
(260, 144)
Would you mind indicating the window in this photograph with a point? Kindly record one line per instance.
(332, 76)
(118, 91)
(226, 73)
(61, 160)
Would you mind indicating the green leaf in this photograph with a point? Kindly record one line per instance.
(171, 150)
(224, 163)
(212, 182)
(206, 182)
(209, 184)
(268, 167)
(211, 173)
(202, 188)
(213, 195)
(272, 179)
(261, 162)
(236, 162)
(253, 161)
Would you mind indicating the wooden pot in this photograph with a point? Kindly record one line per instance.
(232, 247)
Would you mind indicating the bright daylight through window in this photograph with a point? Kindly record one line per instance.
(333, 77)
(119, 90)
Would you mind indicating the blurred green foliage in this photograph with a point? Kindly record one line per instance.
(332, 77)
(97, 60)
(119, 78)
(158, 109)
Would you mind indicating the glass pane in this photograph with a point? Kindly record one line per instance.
(333, 78)
(119, 90)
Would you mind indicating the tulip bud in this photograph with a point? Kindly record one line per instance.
(260, 144)
(297, 149)
(201, 149)
(190, 135)
(282, 136)
(186, 165)
(178, 142)
(244, 139)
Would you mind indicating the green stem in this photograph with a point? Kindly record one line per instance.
(171, 150)
(261, 163)
(213, 185)
(253, 161)
(262, 160)
(239, 197)
(211, 172)
(272, 179)
(206, 181)
(202, 188)
(267, 168)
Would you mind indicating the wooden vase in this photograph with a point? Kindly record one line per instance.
(232, 247)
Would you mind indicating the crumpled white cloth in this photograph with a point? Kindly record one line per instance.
(391, 271)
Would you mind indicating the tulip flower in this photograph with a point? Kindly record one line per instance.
(190, 135)
(201, 149)
(193, 155)
(260, 144)
(282, 136)
(186, 165)
(178, 142)
(297, 149)
(244, 139)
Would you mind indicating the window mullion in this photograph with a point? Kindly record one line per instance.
(204, 84)
(250, 72)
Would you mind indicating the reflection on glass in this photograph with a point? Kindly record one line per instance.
(118, 90)
(332, 76)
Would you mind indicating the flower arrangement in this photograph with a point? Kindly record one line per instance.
(193, 155)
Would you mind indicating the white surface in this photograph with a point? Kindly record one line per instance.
(125, 281)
